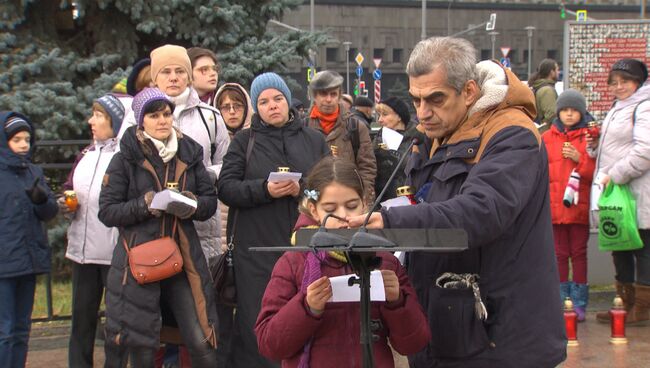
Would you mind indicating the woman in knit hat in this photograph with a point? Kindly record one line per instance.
(623, 157)
(27, 204)
(152, 156)
(393, 114)
(570, 170)
(171, 73)
(261, 212)
(91, 243)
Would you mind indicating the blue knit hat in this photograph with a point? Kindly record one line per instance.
(144, 98)
(265, 81)
(115, 110)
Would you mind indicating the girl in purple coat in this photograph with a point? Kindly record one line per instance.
(298, 326)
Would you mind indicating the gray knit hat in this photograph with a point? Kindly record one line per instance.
(266, 81)
(571, 98)
(115, 110)
(325, 79)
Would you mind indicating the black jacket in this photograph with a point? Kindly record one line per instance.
(132, 310)
(387, 161)
(262, 220)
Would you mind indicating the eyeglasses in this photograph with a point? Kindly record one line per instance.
(234, 107)
(207, 68)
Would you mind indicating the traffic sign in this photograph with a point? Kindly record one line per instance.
(310, 73)
(581, 15)
(359, 71)
(359, 59)
(377, 61)
(505, 50)
(505, 61)
(492, 22)
(377, 74)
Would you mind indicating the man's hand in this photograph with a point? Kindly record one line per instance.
(391, 285)
(283, 188)
(376, 221)
(318, 293)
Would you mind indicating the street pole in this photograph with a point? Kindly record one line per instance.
(530, 30)
(423, 35)
(347, 65)
(493, 38)
(311, 16)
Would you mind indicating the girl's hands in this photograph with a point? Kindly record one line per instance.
(283, 188)
(318, 293)
(391, 285)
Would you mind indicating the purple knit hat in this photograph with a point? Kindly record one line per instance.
(144, 98)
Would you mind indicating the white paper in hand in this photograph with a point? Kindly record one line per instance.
(277, 177)
(391, 138)
(342, 292)
(162, 199)
(396, 202)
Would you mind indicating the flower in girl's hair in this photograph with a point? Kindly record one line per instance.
(312, 194)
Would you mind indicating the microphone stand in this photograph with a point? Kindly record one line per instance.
(363, 263)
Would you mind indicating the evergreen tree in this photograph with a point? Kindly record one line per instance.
(57, 56)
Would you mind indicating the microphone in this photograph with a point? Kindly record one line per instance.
(364, 239)
(324, 239)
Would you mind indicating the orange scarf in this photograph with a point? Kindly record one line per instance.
(327, 121)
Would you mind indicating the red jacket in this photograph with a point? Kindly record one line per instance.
(559, 170)
(285, 325)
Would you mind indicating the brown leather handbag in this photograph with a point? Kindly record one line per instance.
(155, 260)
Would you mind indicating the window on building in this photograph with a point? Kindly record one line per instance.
(378, 53)
(397, 55)
(551, 54)
(525, 56)
(332, 54)
(353, 54)
(486, 54)
(513, 55)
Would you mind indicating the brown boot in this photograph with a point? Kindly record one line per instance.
(627, 293)
(641, 310)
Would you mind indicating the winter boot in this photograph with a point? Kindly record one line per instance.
(580, 298)
(640, 312)
(626, 292)
(565, 291)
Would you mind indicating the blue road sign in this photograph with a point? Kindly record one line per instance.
(377, 74)
(505, 62)
(359, 71)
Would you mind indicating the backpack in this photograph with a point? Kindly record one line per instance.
(352, 128)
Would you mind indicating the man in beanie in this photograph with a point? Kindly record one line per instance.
(362, 108)
(347, 135)
(90, 243)
(27, 203)
(570, 173)
(171, 72)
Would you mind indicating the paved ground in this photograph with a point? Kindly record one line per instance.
(48, 345)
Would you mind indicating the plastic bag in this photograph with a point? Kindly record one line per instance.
(617, 226)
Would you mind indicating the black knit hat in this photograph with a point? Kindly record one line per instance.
(15, 124)
(633, 67)
(133, 77)
(400, 108)
(363, 102)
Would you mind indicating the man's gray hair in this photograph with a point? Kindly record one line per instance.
(456, 55)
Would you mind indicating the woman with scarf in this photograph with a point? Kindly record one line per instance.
(152, 155)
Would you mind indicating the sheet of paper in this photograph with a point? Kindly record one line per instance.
(342, 292)
(391, 138)
(284, 176)
(396, 202)
(164, 198)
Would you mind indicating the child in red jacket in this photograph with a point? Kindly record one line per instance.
(298, 326)
(570, 173)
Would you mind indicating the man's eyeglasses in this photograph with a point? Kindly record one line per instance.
(208, 68)
(234, 107)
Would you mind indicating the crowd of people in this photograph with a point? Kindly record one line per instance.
(513, 166)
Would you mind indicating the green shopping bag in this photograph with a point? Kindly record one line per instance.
(617, 228)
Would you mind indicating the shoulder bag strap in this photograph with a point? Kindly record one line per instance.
(213, 140)
(249, 150)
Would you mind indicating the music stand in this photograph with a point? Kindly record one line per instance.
(360, 246)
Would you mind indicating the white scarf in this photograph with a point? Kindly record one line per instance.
(180, 102)
(167, 149)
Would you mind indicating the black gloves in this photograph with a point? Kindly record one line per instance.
(37, 193)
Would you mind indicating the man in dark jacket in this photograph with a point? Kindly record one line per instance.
(362, 108)
(484, 170)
